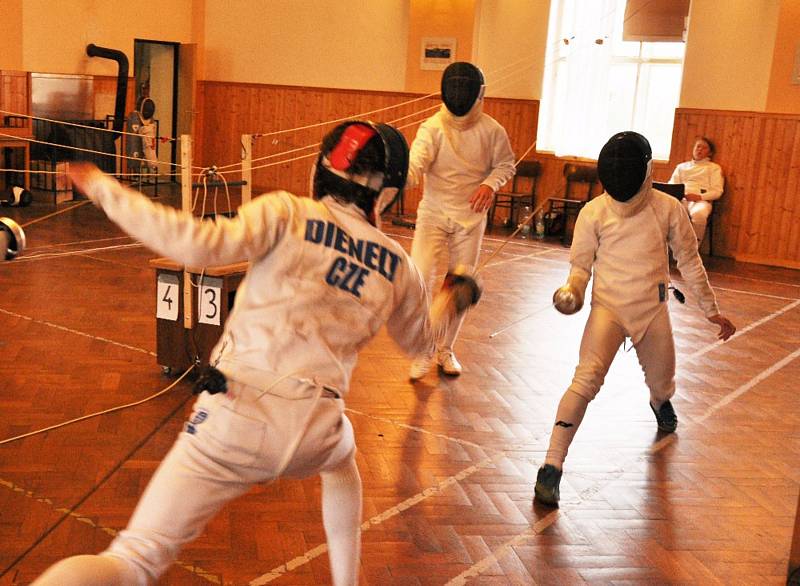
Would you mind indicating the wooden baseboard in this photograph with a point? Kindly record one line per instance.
(766, 260)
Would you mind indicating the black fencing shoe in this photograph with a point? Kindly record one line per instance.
(547, 481)
(665, 416)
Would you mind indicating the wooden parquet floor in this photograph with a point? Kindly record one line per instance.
(448, 465)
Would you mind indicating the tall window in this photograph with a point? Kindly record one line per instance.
(596, 84)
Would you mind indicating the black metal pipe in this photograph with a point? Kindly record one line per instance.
(93, 50)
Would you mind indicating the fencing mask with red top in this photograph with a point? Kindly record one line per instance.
(363, 163)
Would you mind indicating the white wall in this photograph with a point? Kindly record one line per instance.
(321, 43)
(729, 51)
(56, 33)
(511, 43)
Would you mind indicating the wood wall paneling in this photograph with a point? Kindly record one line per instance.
(15, 96)
(758, 217)
(756, 220)
(229, 110)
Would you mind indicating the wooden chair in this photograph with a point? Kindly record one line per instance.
(580, 182)
(677, 190)
(516, 198)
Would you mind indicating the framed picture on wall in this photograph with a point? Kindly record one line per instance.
(437, 52)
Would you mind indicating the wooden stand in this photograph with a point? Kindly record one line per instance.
(193, 304)
(181, 342)
(12, 143)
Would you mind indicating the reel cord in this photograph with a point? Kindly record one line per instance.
(108, 474)
(106, 411)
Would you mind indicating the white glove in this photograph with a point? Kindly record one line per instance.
(568, 299)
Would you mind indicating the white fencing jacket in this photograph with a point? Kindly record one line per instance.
(625, 244)
(455, 161)
(703, 177)
(322, 281)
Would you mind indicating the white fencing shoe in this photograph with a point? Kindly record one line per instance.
(448, 363)
(420, 367)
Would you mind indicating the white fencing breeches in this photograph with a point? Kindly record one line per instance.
(699, 211)
(602, 337)
(436, 236)
(231, 442)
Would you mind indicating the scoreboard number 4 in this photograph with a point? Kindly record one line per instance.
(167, 297)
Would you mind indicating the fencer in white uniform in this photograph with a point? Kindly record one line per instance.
(703, 183)
(464, 157)
(622, 239)
(322, 280)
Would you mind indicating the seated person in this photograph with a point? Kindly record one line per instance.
(703, 181)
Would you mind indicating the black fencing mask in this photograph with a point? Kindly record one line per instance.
(372, 158)
(147, 109)
(622, 164)
(462, 86)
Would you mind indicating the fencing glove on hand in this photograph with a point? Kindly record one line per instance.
(568, 299)
(459, 292)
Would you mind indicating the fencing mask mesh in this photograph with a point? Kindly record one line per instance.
(622, 164)
(462, 86)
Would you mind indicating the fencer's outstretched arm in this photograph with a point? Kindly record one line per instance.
(178, 234)
(422, 153)
(568, 298)
(409, 324)
(683, 242)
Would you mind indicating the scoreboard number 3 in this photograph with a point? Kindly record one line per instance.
(209, 309)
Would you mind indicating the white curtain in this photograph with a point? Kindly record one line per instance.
(575, 103)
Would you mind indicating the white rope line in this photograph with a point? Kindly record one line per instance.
(72, 148)
(349, 117)
(238, 164)
(74, 242)
(495, 85)
(315, 145)
(306, 156)
(95, 128)
(392, 107)
(97, 414)
(83, 203)
(45, 255)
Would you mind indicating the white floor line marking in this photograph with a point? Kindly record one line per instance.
(89, 521)
(743, 331)
(754, 293)
(77, 332)
(422, 430)
(504, 549)
(550, 518)
(754, 279)
(516, 258)
(315, 552)
(762, 376)
(376, 520)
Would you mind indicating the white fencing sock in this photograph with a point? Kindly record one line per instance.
(341, 516)
(570, 413)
